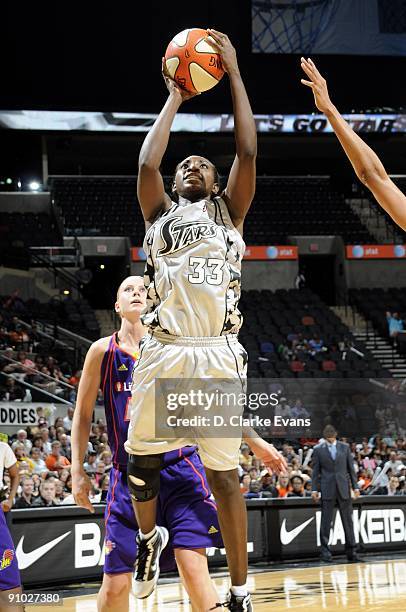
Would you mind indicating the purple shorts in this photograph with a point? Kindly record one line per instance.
(9, 573)
(185, 508)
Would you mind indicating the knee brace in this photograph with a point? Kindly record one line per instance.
(143, 474)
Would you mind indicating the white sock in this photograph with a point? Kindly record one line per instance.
(240, 591)
(146, 536)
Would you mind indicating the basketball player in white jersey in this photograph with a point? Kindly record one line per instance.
(364, 160)
(194, 249)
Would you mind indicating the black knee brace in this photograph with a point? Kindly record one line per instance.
(143, 473)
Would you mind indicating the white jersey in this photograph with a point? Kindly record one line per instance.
(193, 270)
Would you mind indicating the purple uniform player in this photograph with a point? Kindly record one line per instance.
(9, 573)
(185, 505)
(10, 582)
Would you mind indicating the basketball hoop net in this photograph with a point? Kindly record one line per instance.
(289, 26)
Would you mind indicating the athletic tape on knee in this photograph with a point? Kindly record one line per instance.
(143, 474)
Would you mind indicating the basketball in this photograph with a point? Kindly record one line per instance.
(193, 62)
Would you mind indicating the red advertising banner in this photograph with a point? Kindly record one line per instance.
(258, 253)
(376, 251)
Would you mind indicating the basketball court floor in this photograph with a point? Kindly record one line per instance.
(378, 584)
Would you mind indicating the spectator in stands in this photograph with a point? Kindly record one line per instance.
(104, 487)
(46, 442)
(100, 471)
(67, 421)
(365, 479)
(38, 460)
(12, 392)
(298, 411)
(245, 454)
(394, 462)
(282, 485)
(268, 488)
(59, 490)
(90, 464)
(37, 442)
(46, 496)
(22, 438)
(26, 498)
(245, 484)
(23, 365)
(24, 463)
(316, 345)
(65, 444)
(392, 488)
(395, 324)
(107, 459)
(297, 487)
(55, 461)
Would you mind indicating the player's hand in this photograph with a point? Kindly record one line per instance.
(6, 505)
(315, 496)
(81, 487)
(267, 453)
(225, 49)
(174, 88)
(317, 84)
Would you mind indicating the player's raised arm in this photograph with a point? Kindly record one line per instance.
(87, 394)
(241, 182)
(150, 186)
(364, 160)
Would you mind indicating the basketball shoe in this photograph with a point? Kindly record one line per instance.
(239, 604)
(146, 569)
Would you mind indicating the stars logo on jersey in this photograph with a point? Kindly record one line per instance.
(178, 235)
(123, 368)
(213, 530)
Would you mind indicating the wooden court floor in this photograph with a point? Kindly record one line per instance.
(376, 585)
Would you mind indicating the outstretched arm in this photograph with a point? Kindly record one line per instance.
(365, 162)
(150, 186)
(241, 182)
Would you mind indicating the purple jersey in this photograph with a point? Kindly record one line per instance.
(185, 505)
(116, 377)
(9, 574)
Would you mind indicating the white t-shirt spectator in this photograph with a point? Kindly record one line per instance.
(393, 465)
(40, 466)
(67, 423)
(27, 445)
(7, 459)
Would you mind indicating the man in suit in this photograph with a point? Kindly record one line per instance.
(333, 471)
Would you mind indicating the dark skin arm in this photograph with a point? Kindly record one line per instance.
(150, 185)
(240, 188)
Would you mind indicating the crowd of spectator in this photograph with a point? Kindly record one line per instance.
(299, 352)
(43, 455)
(379, 463)
(26, 358)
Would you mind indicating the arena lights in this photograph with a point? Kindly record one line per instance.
(34, 186)
(66, 292)
(102, 266)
